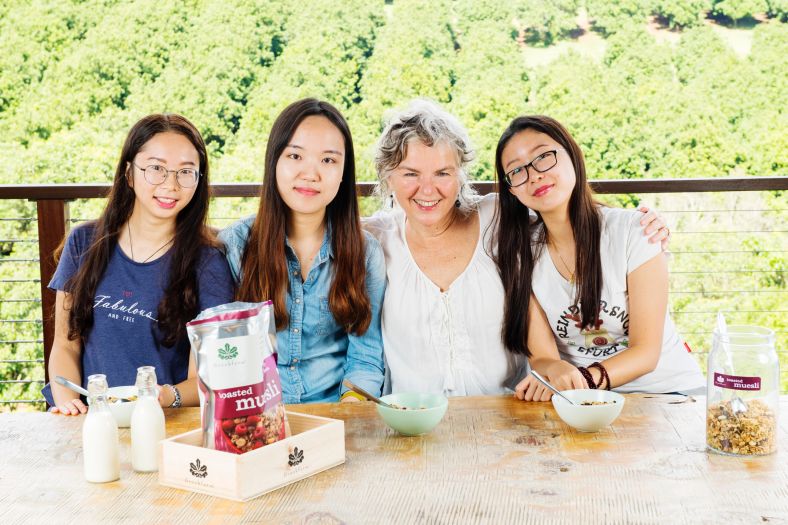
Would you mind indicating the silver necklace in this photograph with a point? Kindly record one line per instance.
(131, 246)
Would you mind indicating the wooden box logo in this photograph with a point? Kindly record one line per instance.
(197, 470)
(295, 457)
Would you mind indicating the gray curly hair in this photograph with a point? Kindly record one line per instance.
(427, 122)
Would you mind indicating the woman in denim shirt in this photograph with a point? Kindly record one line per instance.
(305, 250)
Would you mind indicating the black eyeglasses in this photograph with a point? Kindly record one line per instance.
(519, 176)
(155, 174)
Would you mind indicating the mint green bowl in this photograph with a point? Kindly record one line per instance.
(424, 412)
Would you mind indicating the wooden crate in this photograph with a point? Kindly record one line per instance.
(316, 444)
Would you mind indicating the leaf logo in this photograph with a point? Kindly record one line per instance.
(228, 352)
(296, 457)
(197, 470)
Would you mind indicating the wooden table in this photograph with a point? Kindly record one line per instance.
(491, 460)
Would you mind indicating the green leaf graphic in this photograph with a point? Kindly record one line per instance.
(228, 352)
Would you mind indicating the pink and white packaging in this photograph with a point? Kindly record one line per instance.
(234, 346)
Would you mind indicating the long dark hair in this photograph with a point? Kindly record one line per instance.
(519, 247)
(181, 300)
(264, 264)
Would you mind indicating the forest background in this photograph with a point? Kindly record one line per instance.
(650, 88)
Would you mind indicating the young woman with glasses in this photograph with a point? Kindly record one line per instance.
(585, 294)
(128, 283)
(306, 252)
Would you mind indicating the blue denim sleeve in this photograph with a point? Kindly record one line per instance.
(234, 238)
(364, 365)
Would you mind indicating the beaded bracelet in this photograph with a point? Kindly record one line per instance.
(587, 376)
(603, 378)
(176, 396)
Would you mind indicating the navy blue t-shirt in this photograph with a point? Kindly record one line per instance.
(125, 332)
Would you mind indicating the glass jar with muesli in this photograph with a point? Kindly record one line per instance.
(743, 392)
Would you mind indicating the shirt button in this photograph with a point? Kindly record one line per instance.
(292, 368)
(295, 360)
(295, 330)
(295, 272)
(298, 301)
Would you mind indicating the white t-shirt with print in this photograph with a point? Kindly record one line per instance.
(623, 249)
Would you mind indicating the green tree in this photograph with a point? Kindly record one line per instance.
(763, 120)
(101, 70)
(682, 13)
(611, 17)
(545, 22)
(213, 90)
(412, 58)
(491, 85)
(34, 39)
(738, 9)
(317, 61)
(778, 9)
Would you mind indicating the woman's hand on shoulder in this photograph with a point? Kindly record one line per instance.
(73, 407)
(655, 226)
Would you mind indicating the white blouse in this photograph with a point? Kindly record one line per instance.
(447, 342)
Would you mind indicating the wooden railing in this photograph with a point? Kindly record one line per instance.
(52, 203)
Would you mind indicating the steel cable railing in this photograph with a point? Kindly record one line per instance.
(727, 257)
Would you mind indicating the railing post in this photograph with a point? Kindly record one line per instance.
(52, 222)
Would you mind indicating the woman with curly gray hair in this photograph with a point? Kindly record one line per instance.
(444, 303)
(443, 307)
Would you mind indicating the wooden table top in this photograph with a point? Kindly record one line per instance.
(491, 460)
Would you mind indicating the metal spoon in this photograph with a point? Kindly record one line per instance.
(73, 386)
(367, 395)
(79, 390)
(737, 405)
(551, 387)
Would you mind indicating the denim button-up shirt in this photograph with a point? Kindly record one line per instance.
(314, 353)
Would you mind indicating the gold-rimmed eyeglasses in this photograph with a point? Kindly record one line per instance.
(155, 175)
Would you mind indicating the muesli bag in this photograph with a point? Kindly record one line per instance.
(234, 346)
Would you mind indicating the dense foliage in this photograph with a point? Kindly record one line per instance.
(709, 101)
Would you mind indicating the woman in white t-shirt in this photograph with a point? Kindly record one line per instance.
(585, 294)
(442, 312)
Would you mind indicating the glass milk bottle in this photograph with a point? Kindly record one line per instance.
(147, 423)
(100, 449)
(743, 392)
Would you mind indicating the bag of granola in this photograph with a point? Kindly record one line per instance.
(234, 346)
